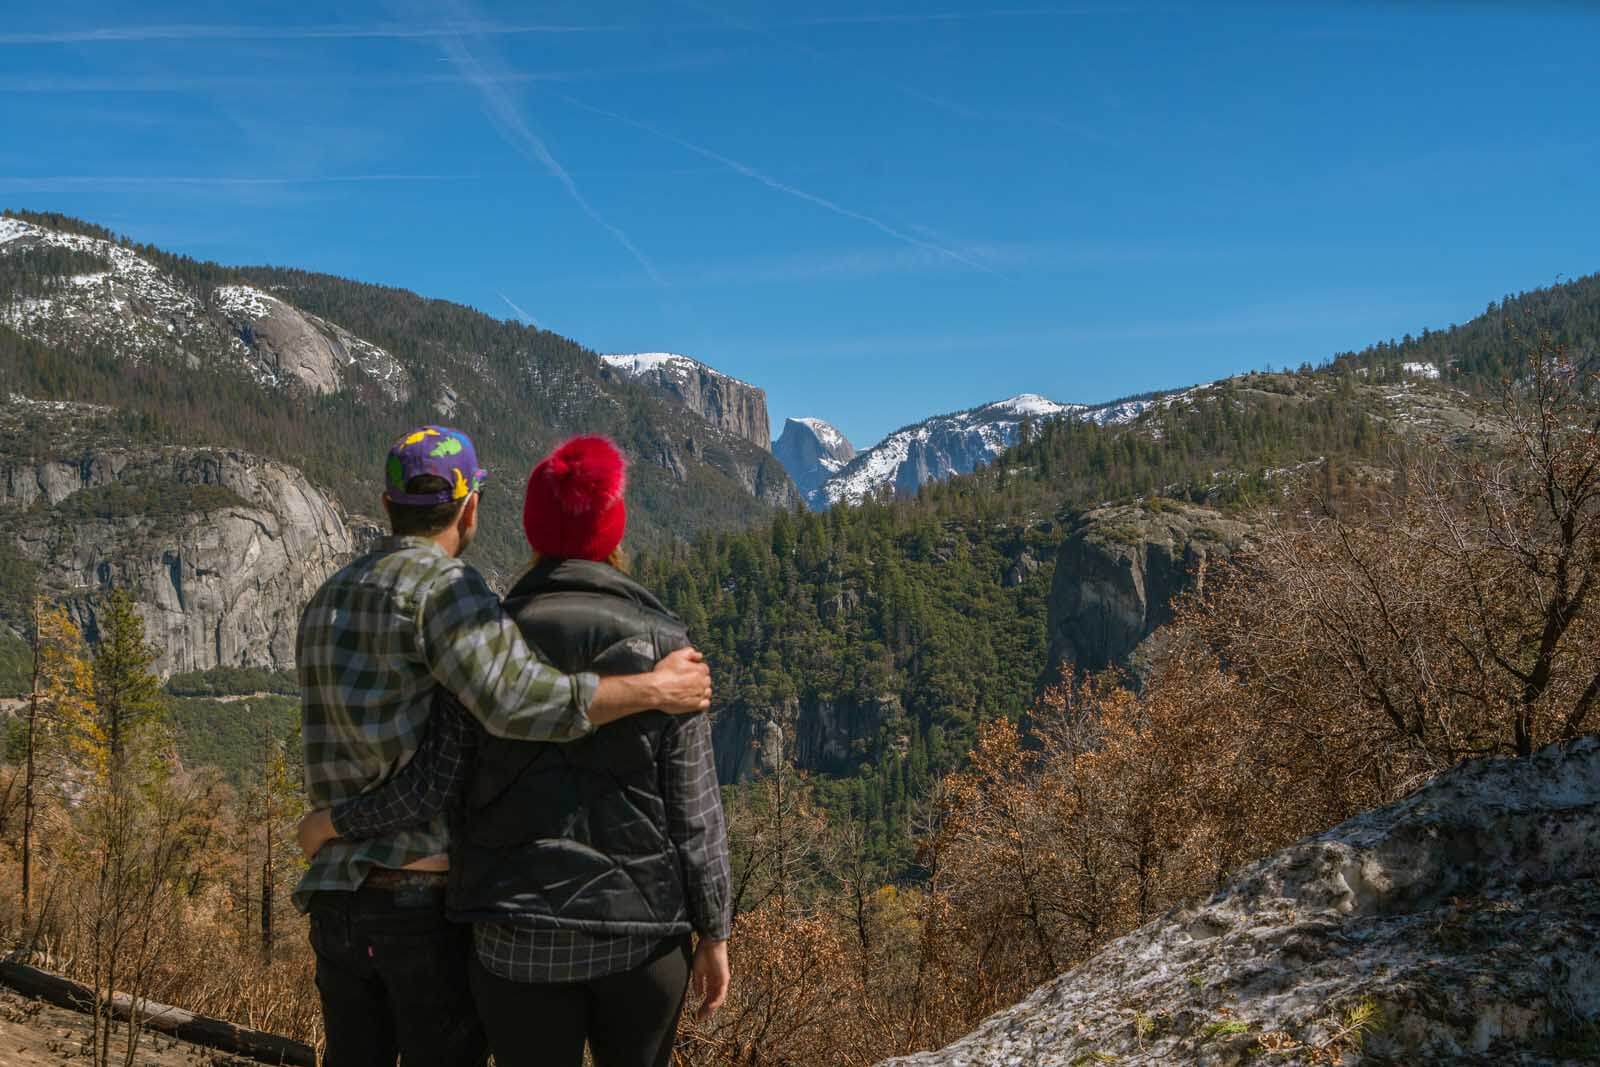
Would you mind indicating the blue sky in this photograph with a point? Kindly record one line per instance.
(876, 211)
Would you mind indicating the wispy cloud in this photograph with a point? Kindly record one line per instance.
(65, 182)
(269, 32)
(1290, 320)
(782, 187)
(915, 18)
(854, 264)
(474, 27)
(943, 103)
(514, 128)
(523, 316)
(189, 84)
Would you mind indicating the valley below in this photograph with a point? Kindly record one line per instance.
(1238, 722)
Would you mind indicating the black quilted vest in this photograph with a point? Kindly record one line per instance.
(574, 835)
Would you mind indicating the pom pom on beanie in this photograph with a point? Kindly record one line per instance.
(574, 505)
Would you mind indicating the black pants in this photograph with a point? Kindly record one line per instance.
(393, 977)
(629, 1019)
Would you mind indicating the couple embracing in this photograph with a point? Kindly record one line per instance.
(518, 843)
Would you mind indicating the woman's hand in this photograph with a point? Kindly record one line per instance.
(314, 831)
(709, 976)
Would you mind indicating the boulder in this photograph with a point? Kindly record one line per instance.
(1460, 925)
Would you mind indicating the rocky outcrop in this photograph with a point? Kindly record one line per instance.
(812, 451)
(735, 407)
(302, 349)
(819, 735)
(1118, 571)
(1461, 925)
(220, 548)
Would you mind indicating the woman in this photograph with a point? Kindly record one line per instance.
(583, 867)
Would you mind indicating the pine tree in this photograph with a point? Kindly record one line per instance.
(59, 706)
(127, 693)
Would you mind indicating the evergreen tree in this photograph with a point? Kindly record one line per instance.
(127, 693)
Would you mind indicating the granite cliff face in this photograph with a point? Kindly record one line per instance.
(304, 349)
(728, 428)
(220, 548)
(1118, 571)
(1460, 925)
(825, 735)
(812, 451)
(725, 402)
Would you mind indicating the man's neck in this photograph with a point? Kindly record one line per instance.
(449, 542)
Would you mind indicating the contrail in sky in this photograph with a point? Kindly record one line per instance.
(526, 318)
(782, 187)
(509, 121)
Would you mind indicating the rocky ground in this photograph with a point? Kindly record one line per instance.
(1460, 925)
(35, 1034)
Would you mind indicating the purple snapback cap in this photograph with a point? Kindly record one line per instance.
(436, 450)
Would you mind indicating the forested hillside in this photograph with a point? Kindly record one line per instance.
(516, 388)
(1492, 347)
(897, 627)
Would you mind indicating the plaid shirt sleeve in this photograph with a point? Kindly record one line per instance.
(695, 824)
(475, 651)
(425, 788)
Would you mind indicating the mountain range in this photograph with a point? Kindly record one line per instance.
(185, 428)
(825, 466)
(205, 434)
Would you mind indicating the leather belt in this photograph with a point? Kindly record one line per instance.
(389, 878)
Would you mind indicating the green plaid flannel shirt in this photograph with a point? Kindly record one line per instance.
(374, 643)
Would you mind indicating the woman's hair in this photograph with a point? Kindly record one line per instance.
(617, 559)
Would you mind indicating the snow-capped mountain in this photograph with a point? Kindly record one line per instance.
(812, 451)
(118, 300)
(721, 399)
(946, 445)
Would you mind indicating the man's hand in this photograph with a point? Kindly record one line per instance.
(314, 831)
(709, 976)
(680, 685)
(684, 682)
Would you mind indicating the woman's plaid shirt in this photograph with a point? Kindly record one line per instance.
(375, 642)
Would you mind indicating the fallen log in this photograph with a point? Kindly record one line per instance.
(162, 1018)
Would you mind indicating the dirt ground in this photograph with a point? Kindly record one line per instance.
(36, 1034)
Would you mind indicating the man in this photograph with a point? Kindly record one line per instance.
(377, 643)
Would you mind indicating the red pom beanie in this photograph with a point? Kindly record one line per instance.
(573, 508)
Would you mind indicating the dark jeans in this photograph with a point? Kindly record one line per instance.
(393, 977)
(629, 1019)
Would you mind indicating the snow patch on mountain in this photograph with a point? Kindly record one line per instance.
(958, 443)
(828, 435)
(246, 300)
(1032, 405)
(131, 308)
(136, 310)
(643, 364)
(11, 229)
